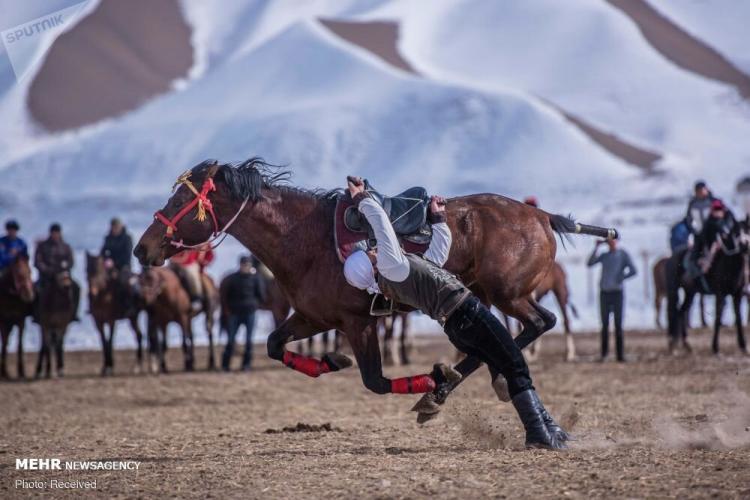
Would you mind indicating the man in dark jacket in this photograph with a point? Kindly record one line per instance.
(118, 245)
(241, 294)
(54, 256)
(11, 246)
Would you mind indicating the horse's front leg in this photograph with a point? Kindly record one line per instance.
(738, 322)
(296, 327)
(5, 334)
(367, 351)
(138, 368)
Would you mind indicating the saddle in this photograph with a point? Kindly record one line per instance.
(407, 212)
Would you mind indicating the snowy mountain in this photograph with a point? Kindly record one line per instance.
(489, 110)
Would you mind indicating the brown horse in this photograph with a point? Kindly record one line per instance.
(56, 309)
(16, 303)
(556, 281)
(106, 305)
(502, 249)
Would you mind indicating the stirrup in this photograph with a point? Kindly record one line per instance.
(381, 305)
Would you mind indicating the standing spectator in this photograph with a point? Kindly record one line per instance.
(11, 246)
(617, 266)
(241, 294)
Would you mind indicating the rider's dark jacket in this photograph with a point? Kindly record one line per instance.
(51, 257)
(698, 211)
(715, 227)
(119, 248)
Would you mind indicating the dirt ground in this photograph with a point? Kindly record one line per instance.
(655, 427)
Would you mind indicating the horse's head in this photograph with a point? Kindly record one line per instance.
(21, 272)
(150, 285)
(204, 202)
(96, 274)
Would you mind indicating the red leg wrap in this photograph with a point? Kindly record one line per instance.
(309, 366)
(413, 385)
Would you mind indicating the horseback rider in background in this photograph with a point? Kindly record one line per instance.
(698, 213)
(117, 252)
(719, 223)
(52, 257)
(190, 265)
(11, 246)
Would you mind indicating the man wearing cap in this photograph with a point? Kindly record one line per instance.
(54, 256)
(11, 246)
(241, 294)
(699, 207)
(420, 282)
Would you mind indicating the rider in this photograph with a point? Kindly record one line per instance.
(118, 245)
(53, 256)
(189, 266)
(117, 251)
(698, 212)
(11, 246)
(421, 283)
(720, 222)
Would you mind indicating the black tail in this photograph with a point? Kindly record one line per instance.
(565, 225)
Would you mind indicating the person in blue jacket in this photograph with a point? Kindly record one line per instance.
(11, 246)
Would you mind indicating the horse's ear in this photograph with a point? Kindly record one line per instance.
(213, 169)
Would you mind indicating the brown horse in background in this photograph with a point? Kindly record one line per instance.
(556, 281)
(56, 309)
(502, 249)
(106, 307)
(16, 303)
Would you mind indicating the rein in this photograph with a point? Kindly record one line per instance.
(204, 205)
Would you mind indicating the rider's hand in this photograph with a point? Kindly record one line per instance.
(437, 204)
(355, 185)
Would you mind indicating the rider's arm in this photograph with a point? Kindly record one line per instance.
(440, 246)
(392, 263)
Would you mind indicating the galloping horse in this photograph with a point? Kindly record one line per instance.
(56, 310)
(727, 275)
(106, 306)
(16, 303)
(502, 249)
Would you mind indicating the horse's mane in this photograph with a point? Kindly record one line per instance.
(249, 178)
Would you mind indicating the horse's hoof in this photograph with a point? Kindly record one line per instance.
(423, 418)
(427, 404)
(452, 376)
(337, 361)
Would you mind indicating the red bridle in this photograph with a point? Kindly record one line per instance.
(201, 201)
(204, 204)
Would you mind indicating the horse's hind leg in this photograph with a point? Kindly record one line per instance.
(110, 348)
(737, 299)
(720, 301)
(5, 334)
(138, 368)
(41, 354)
(404, 339)
(187, 345)
(21, 367)
(58, 337)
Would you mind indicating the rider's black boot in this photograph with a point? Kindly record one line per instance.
(529, 410)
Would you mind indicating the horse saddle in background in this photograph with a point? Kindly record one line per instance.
(407, 212)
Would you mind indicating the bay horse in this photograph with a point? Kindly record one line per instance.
(106, 291)
(16, 304)
(556, 281)
(56, 309)
(727, 275)
(501, 249)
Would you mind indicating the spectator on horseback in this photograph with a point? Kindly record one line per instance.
(11, 246)
(190, 265)
(617, 266)
(241, 293)
(719, 223)
(118, 245)
(420, 282)
(117, 252)
(54, 256)
(699, 207)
